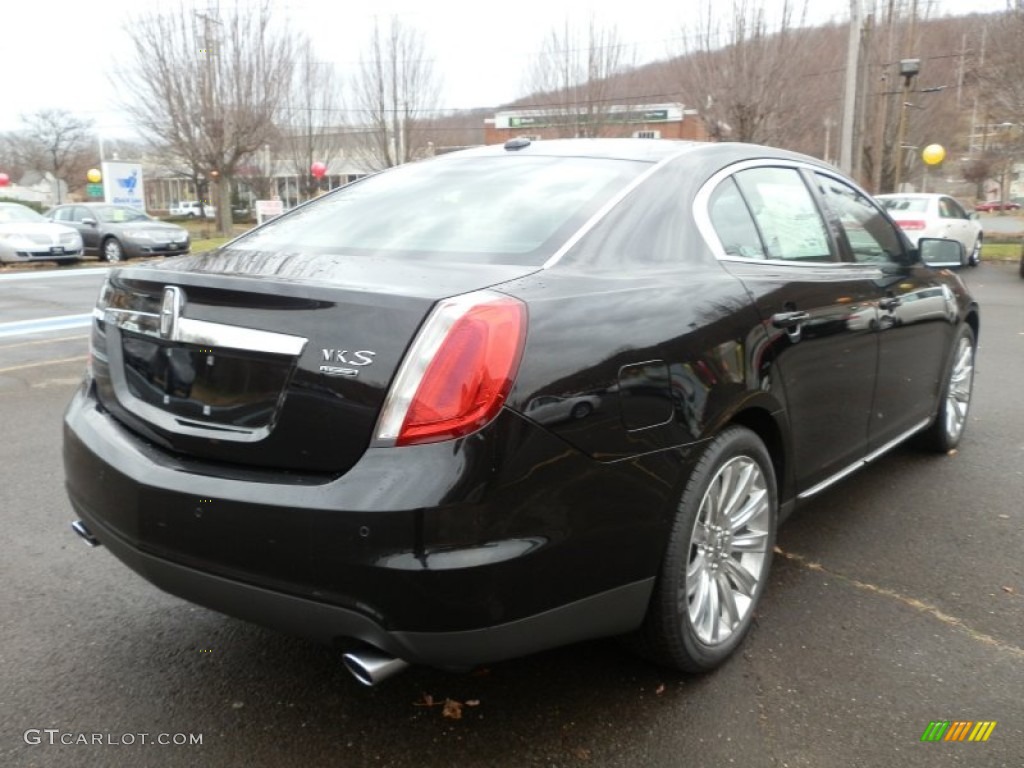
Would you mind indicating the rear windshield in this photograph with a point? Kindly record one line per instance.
(496, 210)
(914, 204)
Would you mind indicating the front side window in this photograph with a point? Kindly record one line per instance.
(791, 226)
(871, 237)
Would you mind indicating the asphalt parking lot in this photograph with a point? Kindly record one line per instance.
(897, 599)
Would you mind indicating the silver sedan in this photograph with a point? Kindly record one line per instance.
(27, 236)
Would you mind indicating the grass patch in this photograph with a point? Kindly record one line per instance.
(1000, 251)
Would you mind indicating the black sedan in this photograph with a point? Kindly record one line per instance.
(329, 425)
(118, 232)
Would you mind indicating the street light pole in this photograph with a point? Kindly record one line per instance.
(909, 68)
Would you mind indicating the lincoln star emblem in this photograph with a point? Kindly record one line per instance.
(170, 311)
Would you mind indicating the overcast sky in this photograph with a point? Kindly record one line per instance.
(63, 53)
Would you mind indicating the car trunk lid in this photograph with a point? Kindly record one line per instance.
(268, 360)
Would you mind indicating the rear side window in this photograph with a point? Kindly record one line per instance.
(791, 226)
(733, 223)
(499, 210)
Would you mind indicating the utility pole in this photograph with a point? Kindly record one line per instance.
(850, 89)
(882, 122)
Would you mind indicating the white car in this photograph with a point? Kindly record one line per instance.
(27, 236)
(192, 210)
(930, 215)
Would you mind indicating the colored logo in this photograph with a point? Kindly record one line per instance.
(958, 730)
(128, 182)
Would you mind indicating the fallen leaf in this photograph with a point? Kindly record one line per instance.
(452, 709)
(660, 689)
(1008, 589)
(473, 703)
(952, 452)
(581, 753)
(426, 701)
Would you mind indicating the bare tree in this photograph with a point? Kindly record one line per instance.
(56, 141)
(395, 89)
(311, 119)
(576, 77)
(207, 86)
(743, 72)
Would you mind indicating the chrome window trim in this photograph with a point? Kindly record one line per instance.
(607, 208)
(702, 214)
(204, 333)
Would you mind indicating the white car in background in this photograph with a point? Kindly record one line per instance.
(27, 236)
(931, 215)
(192, 209)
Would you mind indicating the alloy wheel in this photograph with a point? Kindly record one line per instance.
(958, 393)
(728, 550)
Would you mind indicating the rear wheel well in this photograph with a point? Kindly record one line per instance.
(761, 423)
(972, 320)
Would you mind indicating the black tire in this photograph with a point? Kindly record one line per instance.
(670, 636)
(974, 257)
(581, 410)
(947, 429)
(112, 250)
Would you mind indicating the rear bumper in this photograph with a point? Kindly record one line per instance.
(613, 612)
(449, 554)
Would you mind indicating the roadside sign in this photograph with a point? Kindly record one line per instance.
(94, 190)
(268, 209)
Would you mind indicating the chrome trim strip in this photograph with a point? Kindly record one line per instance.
(204, 333)
(605, 209)
(702, 217)
(849, 470)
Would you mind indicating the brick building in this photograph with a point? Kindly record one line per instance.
(645, 121)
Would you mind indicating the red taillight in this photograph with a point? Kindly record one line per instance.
(911, 224)
(458, 372)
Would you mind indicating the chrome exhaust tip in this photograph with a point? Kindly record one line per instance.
(80, 528)
(372, 666)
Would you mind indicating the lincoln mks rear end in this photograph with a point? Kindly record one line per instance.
(514, 397)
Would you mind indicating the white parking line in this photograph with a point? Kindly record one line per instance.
(43, 341)
(44, 362)
(42, 325)
(48, 274)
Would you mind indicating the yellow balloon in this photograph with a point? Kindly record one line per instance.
(94, 176)
(933, 154)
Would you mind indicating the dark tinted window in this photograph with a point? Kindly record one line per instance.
(871, 237)
(503, 210)
(791, 226)
(733, 223)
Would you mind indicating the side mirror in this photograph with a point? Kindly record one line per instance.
(90, 222)
(942, 253)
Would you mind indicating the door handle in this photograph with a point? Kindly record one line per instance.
(890, 302)
(789, 319)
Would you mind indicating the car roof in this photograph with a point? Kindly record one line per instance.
(643, 150)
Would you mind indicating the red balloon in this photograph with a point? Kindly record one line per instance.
(4, 179)
(318, 170)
